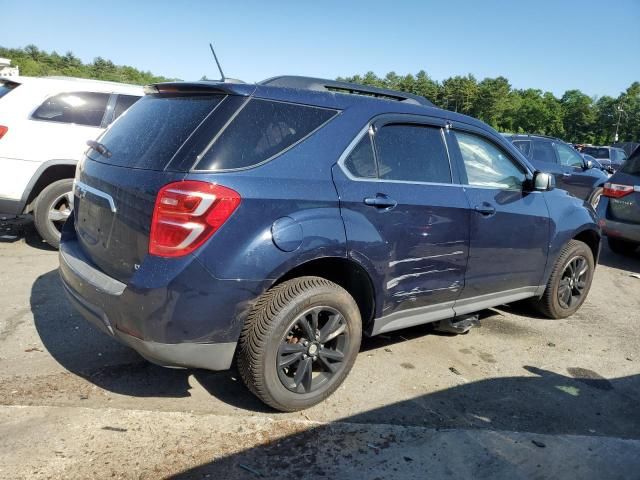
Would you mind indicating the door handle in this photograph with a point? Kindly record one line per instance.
(485, 209)
(380, 202)
(566, 175)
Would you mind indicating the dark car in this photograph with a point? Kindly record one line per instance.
(276, 223)
(620, 207)
(606, 168)
(612, 155)
(572, 172)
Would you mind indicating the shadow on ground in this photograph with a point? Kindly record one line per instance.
(630, 263)
(578, 401)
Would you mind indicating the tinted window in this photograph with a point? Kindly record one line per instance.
(543, 152)
(153, 130)
(486, 165)
(621, 156)
(261, 130)
(597, 152)
(123, 102)
(568, 156)
(6, 87)
(82, 108)
(412, 153)
(361, 162)
(524, 146)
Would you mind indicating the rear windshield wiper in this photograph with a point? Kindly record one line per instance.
(100, 148)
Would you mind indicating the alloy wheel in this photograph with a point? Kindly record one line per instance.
(573, 282)
(313, 350)
(60, 209)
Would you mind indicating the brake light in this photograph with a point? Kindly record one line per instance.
(186, 214)
(615, 190)
(3, 130)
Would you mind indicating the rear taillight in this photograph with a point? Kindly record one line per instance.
(615, 190)
(3, 130)
(186, 214)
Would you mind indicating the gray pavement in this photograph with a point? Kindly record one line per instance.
(518, 397)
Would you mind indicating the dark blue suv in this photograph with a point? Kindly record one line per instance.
(277, 223)
(573, 173)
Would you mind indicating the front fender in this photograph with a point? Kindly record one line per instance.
(570, 217)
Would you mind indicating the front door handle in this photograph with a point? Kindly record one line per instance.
(485, 209)
(566, 175)
(380, 201)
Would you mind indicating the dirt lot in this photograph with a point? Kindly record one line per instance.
(518, 397)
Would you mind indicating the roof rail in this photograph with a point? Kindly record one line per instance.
(323, 85)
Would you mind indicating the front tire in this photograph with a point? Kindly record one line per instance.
(299, 343)
(53, 207)
(569, 282)
(622, 247)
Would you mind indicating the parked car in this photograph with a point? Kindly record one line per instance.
(616, 156)
(276, 223)
(596, 164)
(572, 172)
(620, 208)
(44, 126)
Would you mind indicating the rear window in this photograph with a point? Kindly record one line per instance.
(80, 108)
(150, 133)
(6, 87)
(261, 130)
(597, 152)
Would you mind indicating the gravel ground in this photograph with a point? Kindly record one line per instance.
(519, 396)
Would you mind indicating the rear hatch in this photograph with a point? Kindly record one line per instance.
(152, 144)
(626, 208)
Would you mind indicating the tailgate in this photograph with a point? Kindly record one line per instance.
(113, 211)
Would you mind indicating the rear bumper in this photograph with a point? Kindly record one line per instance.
(193, 322)
(11, 207)
(625, 231)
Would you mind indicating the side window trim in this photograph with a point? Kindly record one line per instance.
(107, 118)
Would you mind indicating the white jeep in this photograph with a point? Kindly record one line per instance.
(44, 127)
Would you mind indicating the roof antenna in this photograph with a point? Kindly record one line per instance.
(217, 62)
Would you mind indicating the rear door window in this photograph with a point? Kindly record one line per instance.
(123, 102)
(524, 146)
(261, 130)
(412, 153)
(361, 161)
(80, 108)
(153, 130)
(543, 152)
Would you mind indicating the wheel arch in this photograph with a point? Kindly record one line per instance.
(345, 272)
(49, 172)
(593, 240)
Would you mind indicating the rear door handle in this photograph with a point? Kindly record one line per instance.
(566, 175)
(485, 209)
(380, 202)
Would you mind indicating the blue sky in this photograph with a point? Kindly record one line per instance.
(553, 45)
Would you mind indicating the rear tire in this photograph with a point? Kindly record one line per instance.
(278, 361)
(622, 247)
(569, 283)
(53, 206)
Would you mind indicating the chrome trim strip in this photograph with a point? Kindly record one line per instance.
(83, 187)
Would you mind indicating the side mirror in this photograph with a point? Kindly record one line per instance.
(544, 182)
(588, 164)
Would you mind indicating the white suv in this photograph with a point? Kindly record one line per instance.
(44, 127)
